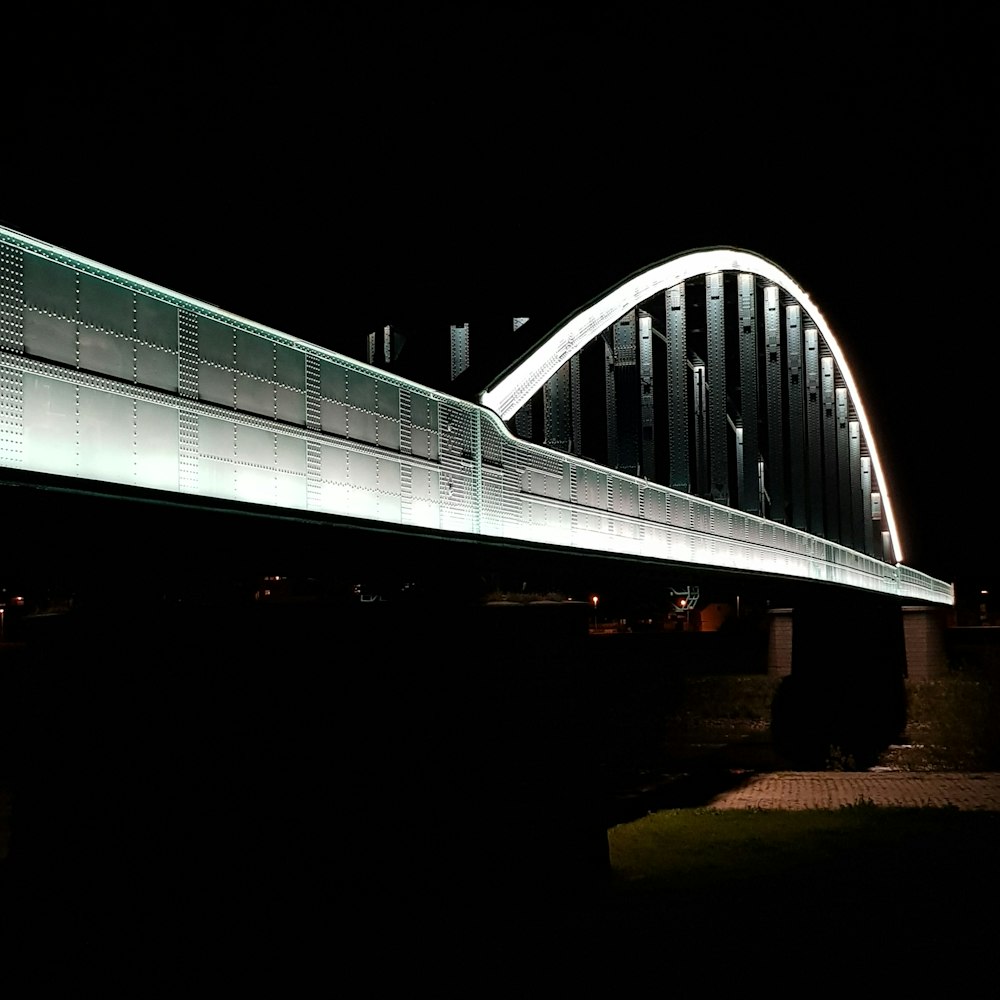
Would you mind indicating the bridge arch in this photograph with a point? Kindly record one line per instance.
(515, 388)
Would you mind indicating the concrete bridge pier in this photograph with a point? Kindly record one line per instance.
(779, 642)
(843, 700)
(923, 631)
(923, 638)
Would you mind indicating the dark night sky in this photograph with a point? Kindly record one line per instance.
(395, 164)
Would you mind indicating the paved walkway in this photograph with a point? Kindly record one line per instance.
(833, 789)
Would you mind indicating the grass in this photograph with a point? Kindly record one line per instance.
(687, 848)
(901, 894)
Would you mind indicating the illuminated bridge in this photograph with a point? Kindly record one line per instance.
(696, 422)
(698, 414)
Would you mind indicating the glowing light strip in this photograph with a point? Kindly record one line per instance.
(518, 386)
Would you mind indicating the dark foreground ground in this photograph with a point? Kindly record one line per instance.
(369, 818)
(892, 899)
(901, 898)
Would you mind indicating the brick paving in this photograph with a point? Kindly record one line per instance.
(833, 789)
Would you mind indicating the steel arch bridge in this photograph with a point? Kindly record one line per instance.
(757, 458)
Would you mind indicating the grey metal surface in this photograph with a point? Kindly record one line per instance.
(814, 433)
(677, 388)
(774, 369)
(796, 418)
(715, 375)
(747, 334)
